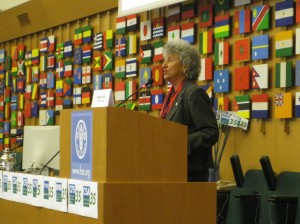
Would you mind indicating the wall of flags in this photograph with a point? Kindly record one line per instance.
(249, 56)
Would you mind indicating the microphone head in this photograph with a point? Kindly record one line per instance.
(149, 82)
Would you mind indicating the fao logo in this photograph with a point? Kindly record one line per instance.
(81, 139)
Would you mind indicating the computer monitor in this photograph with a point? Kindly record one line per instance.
(40, 144)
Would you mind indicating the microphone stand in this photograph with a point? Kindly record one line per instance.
(49, 162)
(123, 101)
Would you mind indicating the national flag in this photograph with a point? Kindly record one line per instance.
(7, 79)
(43, 99)
(157, 98)
(242, 50)
(145, 74)
(241, 2)
(67, 87)
(14, 85)
(1, 103)
(50, 80)
(297, 11)
(120, 90)
(284, 43)
(242, 21)
(283, 74)
(78, 56)
(50, 61)
(107, 82)
(86, 74)
(297, 73)
(208, 89)
(260, 47)
(241, 105)
(14, 53)
(85, 95)
(121, 47)
(241, 78)
(60, 69)
(51, 43)
(173, 13)
(107, 60)
(206, 42)
(221, 81)
(68, 49)
(260, 106)
(20, 85)
(131, 22)
(46, 117)
(221, 104)
(2, 55)
(283, 105)
(187, 10)
(7, 95)
(59, 87)
(97, 82)
(86, 54)
(131, 67)
(120, 68)
(174, 32)
(222, 5)
(2, 87)
(206, 15)
(87, 34)
(284, 14)
(44, 45)
(145, 100)
(21, 51)
(130, 89)
(43, 63)
(78, 76)
(121, 25)
(14, 102)
(131, 44)
(188, 32)
(158, 27)
(206, 70)
(158, 47)
(260, 76)
(78, 36)
(34, 91)
(108, 39)
(35, 74)
(77, 96)
(43, 80)
(222, 26)
(7, 111)
(145, 30)
(157, 75)
(98, 41)
(27, 110)
(21, 68)
(34, 109)
(20, 119)
(67, 103)
(260, 17)
(97, 62)
(297, 104)
(14, 68)
(7, 63)
(58, 104)
(68, 68)
(50, 98)
(60, 50)
(28, 92)
(221, 53)
(145, 54)
(2, 71)
(297, 51)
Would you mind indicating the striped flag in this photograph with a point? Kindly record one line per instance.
(120, 91)
(242, 50)
(188, 32)
(35, 56)
(206, 69)
(206, 42)
(120, 68)
(158, 27)
(44, 45)
(68, 68)
(35, 74)
(283, 105)
(108, 39)
(297, 51)
(174, 32)
(59, 87)
(97, 82)
(242, 21)
(86, 54)
(157, 98)
(284, 43)
(131, 67)
(284, 14)
(145, 30)
(157, 75)
(260, 76)
(242, 105)
(121, 47)
(58, 104)
(131, 22)
(145, 100)
(85, 95)
(222, 27)
(121, 25)
(260, 17)
(51, 43)
(283, 74)
(50, 61)
(260, 106)
(221, 53)
(297, 104)
(43, 63)
(78, 36)
(158, 56)
(206, 15)
(67, 103)
(241, 78)
(131, 44)
(43, 99)
(87, 34)
(130, 89)
(221, 104)
(260, 47)
(173, 13)
(145, 54)
(187, 10)
(43, 80)
(68, 49)
(98, 41)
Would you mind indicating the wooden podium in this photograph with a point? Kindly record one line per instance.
(140, 164)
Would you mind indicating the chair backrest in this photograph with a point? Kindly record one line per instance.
(268, 172)
(237, 170)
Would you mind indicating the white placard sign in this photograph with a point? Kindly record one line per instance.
(34, 192)
(55, 193)
(7, 185)
(83, 198)
(16, 187)
(102, 98)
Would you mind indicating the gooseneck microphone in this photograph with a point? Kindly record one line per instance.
(147, 84)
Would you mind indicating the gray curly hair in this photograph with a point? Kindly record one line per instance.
(188, 55)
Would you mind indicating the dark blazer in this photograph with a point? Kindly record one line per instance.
(192, 107)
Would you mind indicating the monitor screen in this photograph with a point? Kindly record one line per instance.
(40, 144)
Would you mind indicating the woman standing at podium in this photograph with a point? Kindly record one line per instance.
(186, 103)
